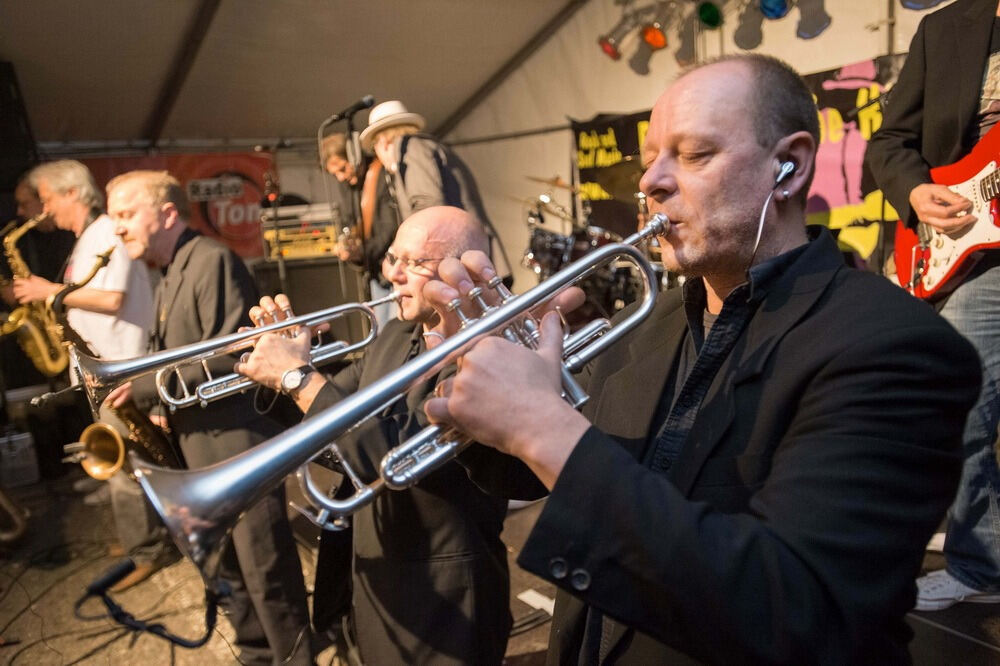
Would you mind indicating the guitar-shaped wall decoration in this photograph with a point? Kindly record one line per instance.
(929, 264)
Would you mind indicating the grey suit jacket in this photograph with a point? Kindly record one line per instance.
(206, 292)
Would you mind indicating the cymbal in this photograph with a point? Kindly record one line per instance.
(554, 181)
(621, 180)
(544, 206)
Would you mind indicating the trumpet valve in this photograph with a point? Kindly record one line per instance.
(455, 305)
(476, 294)
(496, 283)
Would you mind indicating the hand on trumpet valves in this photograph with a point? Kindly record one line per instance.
(273, 355)
(271, 310)
(468, 281)
(526, 415)
(279, 308)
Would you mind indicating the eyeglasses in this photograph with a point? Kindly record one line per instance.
(415, 266)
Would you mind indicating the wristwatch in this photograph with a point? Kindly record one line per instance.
(294, 379)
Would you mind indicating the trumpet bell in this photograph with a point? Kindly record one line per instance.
(103, 451)
(196, 514)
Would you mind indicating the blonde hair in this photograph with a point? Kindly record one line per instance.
(159, 186)
(391, 133)
(334, 144)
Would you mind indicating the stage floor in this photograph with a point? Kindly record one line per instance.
(66, 547)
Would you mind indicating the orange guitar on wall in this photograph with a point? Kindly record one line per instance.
(929, 263)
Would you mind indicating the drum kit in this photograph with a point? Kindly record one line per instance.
(611, 288)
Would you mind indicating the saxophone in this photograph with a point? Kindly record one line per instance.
(33, 323)
(102, 449)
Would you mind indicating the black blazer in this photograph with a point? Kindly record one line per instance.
(431, 583)
(930, 117)
(792, 526)
(206, 292)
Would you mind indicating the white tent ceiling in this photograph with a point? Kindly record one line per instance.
(127, 71)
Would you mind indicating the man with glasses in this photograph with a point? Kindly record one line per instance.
(430, 571)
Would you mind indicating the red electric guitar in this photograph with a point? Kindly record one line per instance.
(929, 263)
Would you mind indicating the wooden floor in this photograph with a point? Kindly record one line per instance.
(66, 547)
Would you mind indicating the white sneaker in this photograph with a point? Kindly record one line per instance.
(939, 590)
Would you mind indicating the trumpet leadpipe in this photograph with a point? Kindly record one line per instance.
(99, 378)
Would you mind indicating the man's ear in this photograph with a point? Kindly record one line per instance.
(798, 149)
(170, 214)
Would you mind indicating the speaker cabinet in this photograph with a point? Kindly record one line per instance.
(19, 152)
(316, 284)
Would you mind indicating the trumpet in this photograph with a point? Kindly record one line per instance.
(99, 378)
(200, 507)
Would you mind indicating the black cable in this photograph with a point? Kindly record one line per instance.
(87, 633)
(46, 590)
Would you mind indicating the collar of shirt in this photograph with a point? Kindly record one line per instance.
(182, 240)
(760, 279)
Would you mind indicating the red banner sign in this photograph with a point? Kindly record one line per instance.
(225, 191)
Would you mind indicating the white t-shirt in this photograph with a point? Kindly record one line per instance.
(126, 334)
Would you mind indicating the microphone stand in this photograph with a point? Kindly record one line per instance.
(272, 192)
(357, 163)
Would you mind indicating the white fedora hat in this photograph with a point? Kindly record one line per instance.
(388, 114)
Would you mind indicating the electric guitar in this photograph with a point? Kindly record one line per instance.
(929, 263)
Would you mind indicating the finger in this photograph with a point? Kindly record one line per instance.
(443, 388)
(567, 300)
(550, 344)
(270, 310)
(948, 196)
(437, 410)
(959, 209)
(453, 273)
(257, 316)
(284, 306)
(478, 265)
(439, 295)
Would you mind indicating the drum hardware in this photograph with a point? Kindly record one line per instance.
(200, 507)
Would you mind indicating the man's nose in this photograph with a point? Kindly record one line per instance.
(657, 182)
(394, 273)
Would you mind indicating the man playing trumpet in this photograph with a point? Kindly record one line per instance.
(205, 292)
(430, 571)
(763, 459)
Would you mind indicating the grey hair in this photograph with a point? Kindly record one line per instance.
(65, 175)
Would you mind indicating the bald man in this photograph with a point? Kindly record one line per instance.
(430, 577)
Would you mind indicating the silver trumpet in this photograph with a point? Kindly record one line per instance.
(99, 377)
(200, 507)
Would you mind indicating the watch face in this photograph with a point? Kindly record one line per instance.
(291, 380)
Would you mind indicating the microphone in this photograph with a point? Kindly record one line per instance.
(365, 102)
